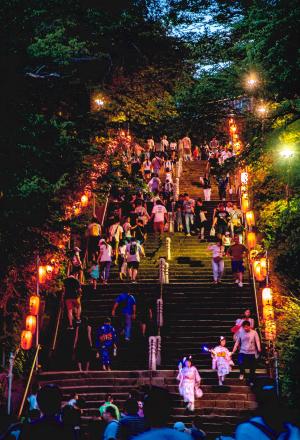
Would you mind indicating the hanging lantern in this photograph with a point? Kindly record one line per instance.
(30, 323)
(267, 296)
(264, 265)
(257, 271)
(84, 200)
(26, 340)
(270, 330)
(233, 128)
(42, 274)
(245, 203)
(250, 218)
(268, 313)
(34, 305)
(251, 240)
(244, 178)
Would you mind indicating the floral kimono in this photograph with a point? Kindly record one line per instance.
(189, 385)
(221, 360)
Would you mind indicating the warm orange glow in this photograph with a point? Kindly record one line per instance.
(49, 269)
(42, 274)
(34, 304)
(26, 340)
(264, 265)
(270, 330)
(250, 218)
(30, 323)
(268, 313)
(84, 200)
(267, 296)
(251, 240)
(257, 271)
(245, 203)
(233, 128)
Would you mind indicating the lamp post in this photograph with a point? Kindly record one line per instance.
(288, 154)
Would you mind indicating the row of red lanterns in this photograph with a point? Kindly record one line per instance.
(259, 266)
(30, 323)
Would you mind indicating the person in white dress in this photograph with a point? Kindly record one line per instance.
(221, 360)
(189, 383)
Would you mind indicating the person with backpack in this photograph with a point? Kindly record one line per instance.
(127, 303)
(133, 257)
(93, 234)
(72, 296)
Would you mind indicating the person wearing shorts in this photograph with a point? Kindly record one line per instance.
(72, 299)
(159, 216)
(133, 257)
(237, 252)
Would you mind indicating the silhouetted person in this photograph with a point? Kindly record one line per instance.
(48, 427)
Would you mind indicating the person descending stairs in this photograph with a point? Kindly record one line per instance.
(196, 314)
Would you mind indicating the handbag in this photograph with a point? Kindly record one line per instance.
(235, 328)
(198, 392)
(212, 232)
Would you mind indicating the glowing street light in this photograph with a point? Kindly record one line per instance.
(287, 153)
(251, 81)
(262, 110)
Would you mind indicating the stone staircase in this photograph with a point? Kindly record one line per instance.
(196, 312)
(190, 180)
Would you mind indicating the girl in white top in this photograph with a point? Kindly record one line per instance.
(105, 258)
(217, 260)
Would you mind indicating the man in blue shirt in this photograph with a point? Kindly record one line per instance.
(112, 428)
(106, 339)
(127, 303)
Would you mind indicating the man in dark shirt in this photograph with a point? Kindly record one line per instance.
(221, 219)
(72, 299)
(48, 427)
(131, 425)
(237, 251)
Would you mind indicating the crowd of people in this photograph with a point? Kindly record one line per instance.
(145, 415)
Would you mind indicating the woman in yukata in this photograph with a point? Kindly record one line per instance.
(221, 360)
(189, 383)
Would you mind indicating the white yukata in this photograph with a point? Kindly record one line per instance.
(189, 381)
(221, 360)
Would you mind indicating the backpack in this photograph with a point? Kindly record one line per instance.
(266, 430)
(133, 249)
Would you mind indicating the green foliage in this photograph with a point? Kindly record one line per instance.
(57, 46)
(288, 343)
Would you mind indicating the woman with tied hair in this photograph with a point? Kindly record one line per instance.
(221, 360)
(189, 383)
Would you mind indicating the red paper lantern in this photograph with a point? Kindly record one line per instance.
(30, 323)
(250, 218)
(264, 265)
(34, 305)
(267, 296)
(26, 340)
(257, 271)
(251, 240)
(42, 274)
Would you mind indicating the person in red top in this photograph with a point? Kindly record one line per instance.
(237, 251)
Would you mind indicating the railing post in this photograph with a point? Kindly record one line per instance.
(10, 380)
(162, 270)
(158, 350)
(166, 273)
(159, 312)
(152, 353)
(168, 246)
